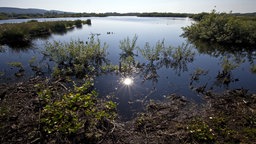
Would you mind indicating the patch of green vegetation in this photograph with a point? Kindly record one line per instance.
(253, 68)
(21, 34)
(228, 65)
(156, 14)
(78, 23)
(197, 73)
(16, 64)
(152, 53)
(222, 28)
(1, 73)
(78, 58)
(127, 46)
(183, 53)
(19, 65)
(250, 132)
(32, 60)
(127, 61)
(201, 132)
(3, 16)
(76, 112)
(4, 115)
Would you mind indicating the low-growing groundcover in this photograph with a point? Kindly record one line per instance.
(43, 111)
(39, 111)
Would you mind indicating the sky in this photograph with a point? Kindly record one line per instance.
(124, 6)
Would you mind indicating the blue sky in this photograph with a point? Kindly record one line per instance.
(123, 6)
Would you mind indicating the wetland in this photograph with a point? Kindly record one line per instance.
(102, 81)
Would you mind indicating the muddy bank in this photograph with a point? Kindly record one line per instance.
(227, 117)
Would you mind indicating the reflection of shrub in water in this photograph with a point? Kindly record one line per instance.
(152, 53)
(1, 73)
(225, 76)
(18, 65)
(253, 69)
(181, 57)
(127, 46)
(77, 58)
(127, 61)
(227, 65)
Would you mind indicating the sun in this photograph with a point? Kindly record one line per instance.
(127, 81)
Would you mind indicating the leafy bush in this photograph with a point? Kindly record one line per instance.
(152, 53)
(22, 33)
(78, 58)
(127, 46)
(222, 28)
(78, 23)
(76, 112)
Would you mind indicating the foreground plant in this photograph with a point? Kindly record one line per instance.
(78, 113)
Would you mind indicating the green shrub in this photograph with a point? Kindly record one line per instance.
(152, 53)
(222, 28)
(127, 46)
(78, 23)
(75, 112)
(79, 57)
(21, 34)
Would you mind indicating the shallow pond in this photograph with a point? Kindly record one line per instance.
(210, 68)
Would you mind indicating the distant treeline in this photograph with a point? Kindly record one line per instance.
(246, 16)
(55, 15)
(155, 14)
(152, 14)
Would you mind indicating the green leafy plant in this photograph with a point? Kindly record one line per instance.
(222, 28)
(227, 65)
(127, 46)
(79, 111)
(1, 73)
(152, 53)
(16, 64)
(78, 58)
(201, 131)
(21, 34)
(253, 68)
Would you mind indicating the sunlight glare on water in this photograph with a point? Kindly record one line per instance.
(127, 81)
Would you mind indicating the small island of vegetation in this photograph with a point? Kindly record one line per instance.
(21, 34)
(223, 28)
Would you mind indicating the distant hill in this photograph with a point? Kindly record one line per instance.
(26, 11)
